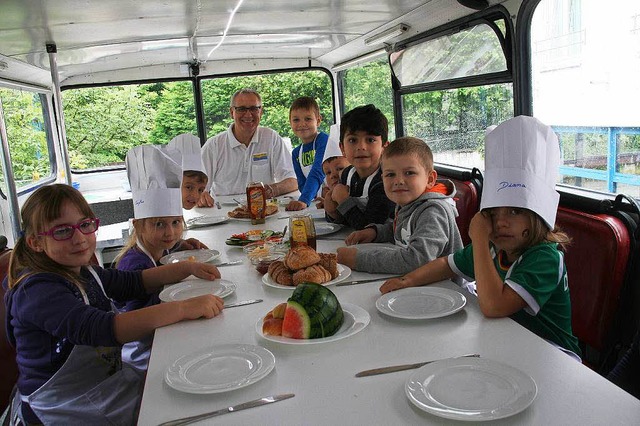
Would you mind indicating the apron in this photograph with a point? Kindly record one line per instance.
(405, 234)
(137, 353)
(91, 387)
(367, 183)
(307, 169)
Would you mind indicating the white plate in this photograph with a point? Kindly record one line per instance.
(326, 228)
(199, 255)
(285, 200)
(421, 302)
(243, 219)
(198, 222)
(343, 272)
(472, 389)
(355, 320)
(220, 368)
(197, 287)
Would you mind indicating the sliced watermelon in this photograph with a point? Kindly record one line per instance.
(313, 311)
(296, 324)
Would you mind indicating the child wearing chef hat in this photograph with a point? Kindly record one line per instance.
(194, 178)
(514, 256)
(333, 163)
(155, 175)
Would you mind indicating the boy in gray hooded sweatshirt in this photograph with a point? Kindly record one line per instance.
(424, 226)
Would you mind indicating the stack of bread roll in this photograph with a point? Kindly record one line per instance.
(303, 264)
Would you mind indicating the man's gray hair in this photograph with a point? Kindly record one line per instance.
(245, 91)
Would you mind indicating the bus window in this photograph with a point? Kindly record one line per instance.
(31, 150)
(277, 90)
(585, 59)
(453, 87)
(369, 84)
(103, 123)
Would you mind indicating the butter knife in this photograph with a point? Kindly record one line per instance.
(370, 280)
(242, 303)
(402, 367)
(231, 409)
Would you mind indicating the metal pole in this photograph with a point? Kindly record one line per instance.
(12, 195)
(59, 114)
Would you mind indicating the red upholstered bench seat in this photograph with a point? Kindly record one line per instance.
(596, 265)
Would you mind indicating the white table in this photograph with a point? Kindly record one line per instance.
(322, 376)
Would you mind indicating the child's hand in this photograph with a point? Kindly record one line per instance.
(395, 284)
(339, 193)
(206, 200)
(320, 202)
(206, 271)
(330, 206)
(366, 235)
(480, 228)
(296, 205)
(347, 256)
(206, 306)
(191, 244)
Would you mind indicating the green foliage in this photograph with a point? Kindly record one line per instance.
(26, 135)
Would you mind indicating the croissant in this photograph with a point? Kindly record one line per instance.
(329, 261)
(279, 273)
(301, 257)
(314, 273)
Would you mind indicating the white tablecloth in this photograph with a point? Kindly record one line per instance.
(322, 376)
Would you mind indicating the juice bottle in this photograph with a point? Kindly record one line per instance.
(302, 231)
(256, 202)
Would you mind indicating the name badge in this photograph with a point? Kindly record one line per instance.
(260, 156)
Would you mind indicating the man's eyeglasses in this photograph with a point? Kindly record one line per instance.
(64, 232)
(253, 109)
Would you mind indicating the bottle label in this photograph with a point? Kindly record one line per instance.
(256, 203)
(299, 232)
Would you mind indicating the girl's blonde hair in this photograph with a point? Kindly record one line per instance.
(138, 226)
(43, 207)
(540, 233)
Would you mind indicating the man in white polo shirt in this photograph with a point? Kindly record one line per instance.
(246, 153)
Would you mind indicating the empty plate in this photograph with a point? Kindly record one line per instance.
(197, 287)
(473, 389)
(421, 302)
(220, 368)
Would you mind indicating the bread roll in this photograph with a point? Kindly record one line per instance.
(301, 257)
(329, 261)
(313, 274)
(280, 274)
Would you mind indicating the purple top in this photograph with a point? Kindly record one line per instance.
(136, 260)
(47, 316)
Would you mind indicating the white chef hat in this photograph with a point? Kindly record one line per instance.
(155, 176)
(522, 156)
(333, 143)
(189, 146)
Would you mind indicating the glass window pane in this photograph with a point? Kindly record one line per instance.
(29, 148)
(470, 52)
(277, 91)
(103, 123)
(585, 59)
(453, 122)
(370, 84)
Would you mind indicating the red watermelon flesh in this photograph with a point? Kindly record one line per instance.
(296, 324)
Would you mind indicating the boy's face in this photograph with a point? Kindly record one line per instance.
(192, 187)
(333, 169)
(304, 123)
(363, 151)
(405, 178)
